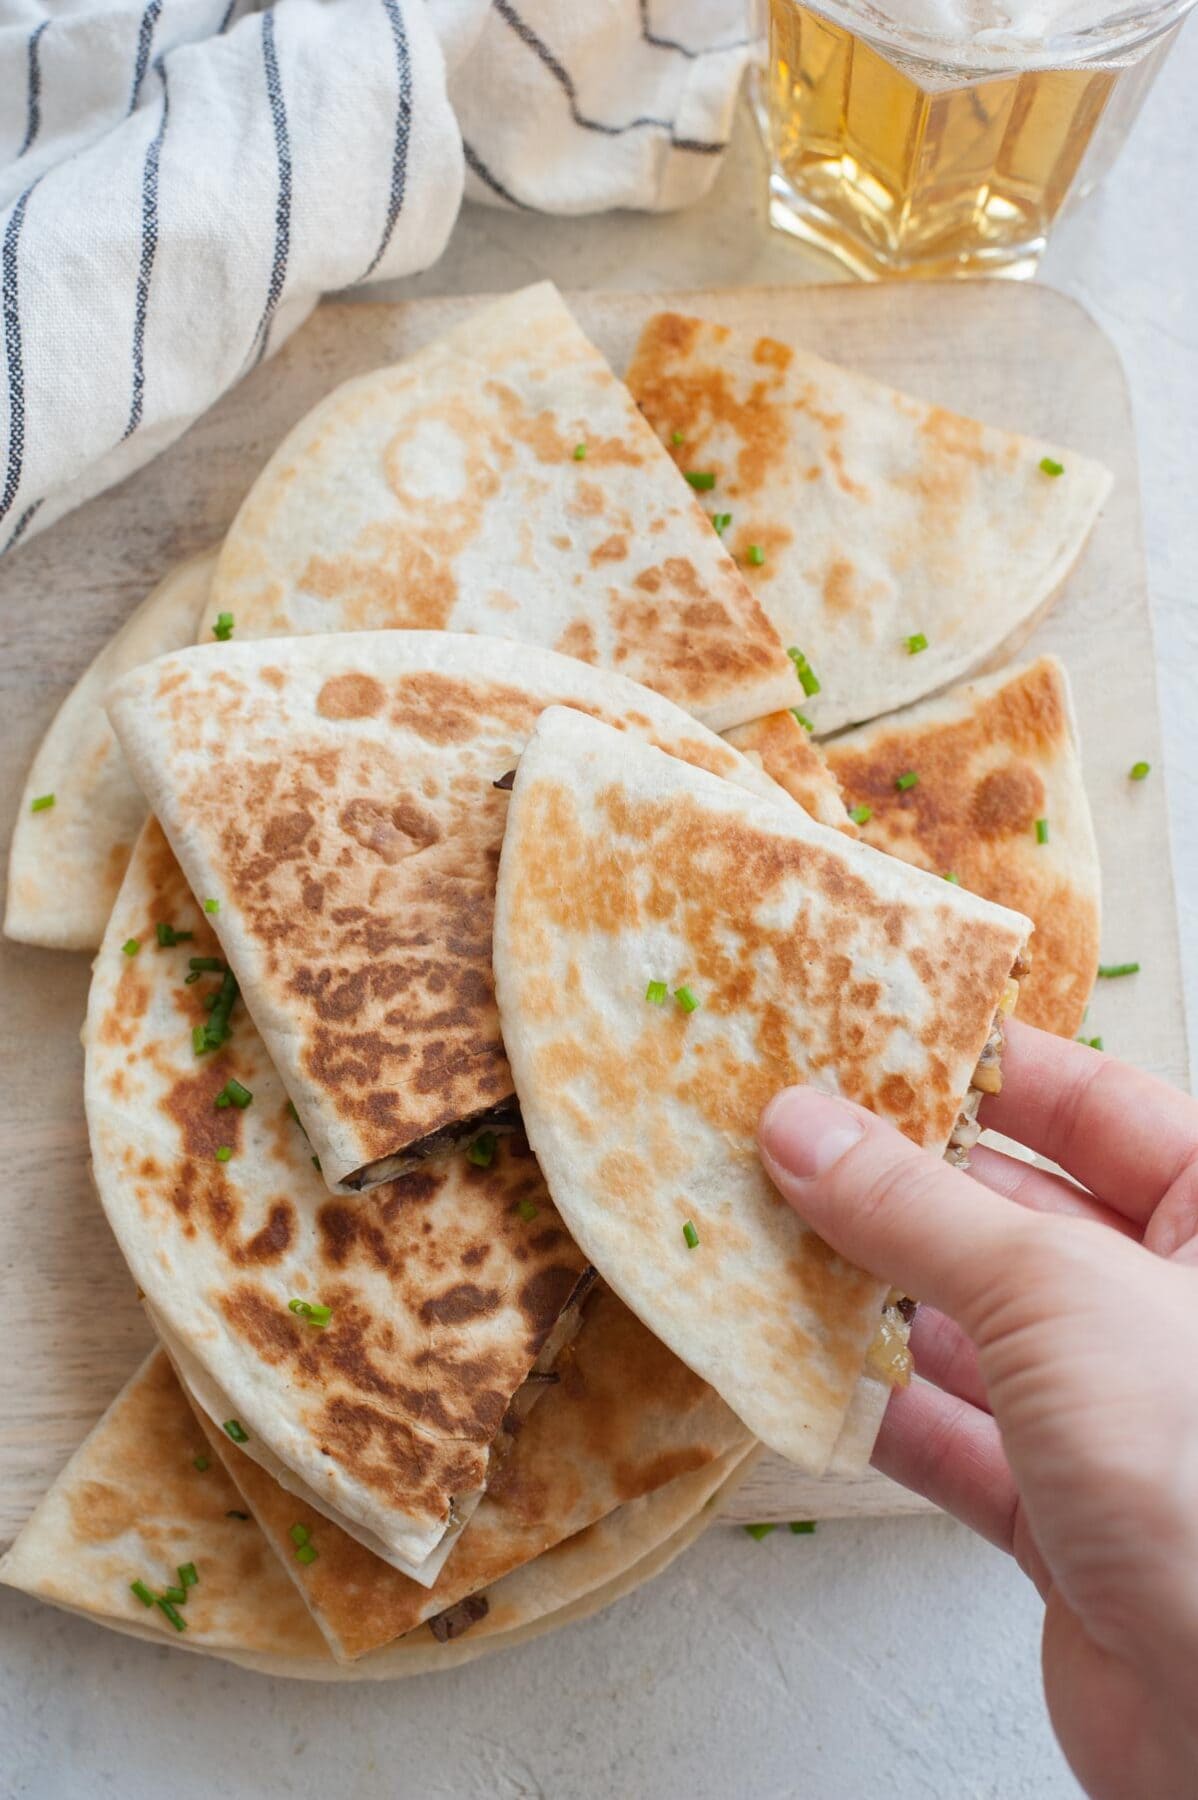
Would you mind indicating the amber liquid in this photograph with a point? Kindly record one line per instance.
(900, 167)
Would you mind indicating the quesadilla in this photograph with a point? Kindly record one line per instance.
(501, 481)
(895, 546)
(339, 802)
(669, 952)
(144, 1501)
(67, 858)
(620, 1418)
(788, 753)
(370, 1352)
(999, 803)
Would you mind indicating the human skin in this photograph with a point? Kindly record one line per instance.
(1058, 1341)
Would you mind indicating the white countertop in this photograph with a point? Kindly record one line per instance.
(897, 1658)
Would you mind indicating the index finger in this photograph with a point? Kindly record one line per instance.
(1123, 1134)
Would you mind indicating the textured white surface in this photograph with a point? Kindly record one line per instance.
(897, 1657)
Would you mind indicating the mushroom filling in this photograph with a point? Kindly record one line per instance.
(986, 1077)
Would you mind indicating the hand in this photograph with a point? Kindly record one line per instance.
(1058, 1340)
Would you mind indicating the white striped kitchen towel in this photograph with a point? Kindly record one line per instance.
(180, 181)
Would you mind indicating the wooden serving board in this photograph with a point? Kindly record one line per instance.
(1014, 355)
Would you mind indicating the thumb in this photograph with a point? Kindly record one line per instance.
(892, 1208)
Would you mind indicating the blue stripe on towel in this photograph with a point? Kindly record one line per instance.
(278, 113)
(33, 88)
(149, 248)
(145, 36)
(403, 131)
(10, 304)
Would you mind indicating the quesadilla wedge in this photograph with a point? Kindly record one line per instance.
(620, 1418)
(144, 1499)
(669, 952)
(370, 1350)
(788, 753)
(67, 859)
(501, 481)
(340, 803)
(896, 546)
(994, 758)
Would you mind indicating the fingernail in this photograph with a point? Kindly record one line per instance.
(806, 1132)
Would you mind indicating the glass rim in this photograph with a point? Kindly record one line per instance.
(1110, 38)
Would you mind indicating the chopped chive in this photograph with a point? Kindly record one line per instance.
(291, 1112)
(200, 1463)
(211, 906)
(236, 1431)
(216, 1032)
(804, 671)
(199, 1039)
(580, 452)
(528, 1212)
(302, 1307)
(43, 803)
(223, 1152)
(861, 815)
(656, 993)
(906, 781)
(206, 965)
(131, 946)
(482, 1151)
(804, 721)
(1094, 1043)
(190, 980)
(1138, 771)
(168, 937)
(223, 629)
(305, 1554)
(955, 879)
(686, 999)
(760, 1531)
(690, 1235)
(176, 1618)
(299, 1534)
(755, 555)
(176, 1595)
(234, 1514)
(233, 1094)
(1050, 466)
(677, 437)
(1109, 971)
(721, 521)
(1041, 831)
(802, 1527)
(187, 1575)
(143, 1593)
(319, 1314)
(915, 643)
(703, 479)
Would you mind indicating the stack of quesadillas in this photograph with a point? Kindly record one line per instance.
(457, 957)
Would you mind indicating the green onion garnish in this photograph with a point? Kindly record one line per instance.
(236, 1431)
(168, 937)
(305, 1554)
(199, 1039)
(677, 437)
(804, 671)
(200, 1463)
(686, 999)
(906, 781)
(804, 721)
(302, 1307)
(43, 803)
(212, 1035)
(233, 1094)
(482, 1151)
(1094, 1043)
(176, 1618)
(223, 1152)
(1138, 771)
(1109, 971)
(580, 451)
(187, 1575)
(690, 1235)
(528, 1212)
(319, 1313)
(205, 965)
(915, 643)
(1050, 466)
(176, 1595)
(1041, 831)
(211, 906)
(131, 946)
(861, 815)
(802, 1527)
(760, 1531)
(234, 1514)
(755, 555)
(721, 521)
(656, 993)
(299, 1534)
(143, 1593)
(955, 879)
(703, 479)
(223, 629)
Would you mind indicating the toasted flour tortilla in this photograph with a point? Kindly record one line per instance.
(443, 1293)
(624, 1418)
(66, 862)
(878, 516)
(790, 756)
(337, 797)
(811, 958)
(448, 493)
(133, 1505)
(993, 756)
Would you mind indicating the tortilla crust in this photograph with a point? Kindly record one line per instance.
(789, 754)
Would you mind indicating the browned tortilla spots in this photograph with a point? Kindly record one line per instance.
(351, 696)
